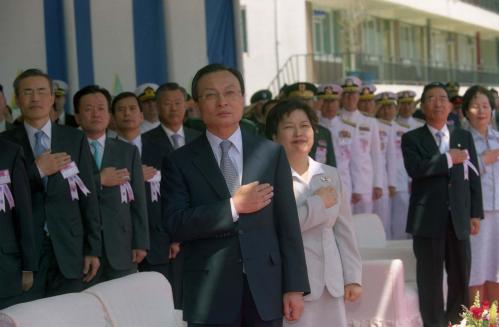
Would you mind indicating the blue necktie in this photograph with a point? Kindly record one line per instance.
(40, 149)
(97, 153)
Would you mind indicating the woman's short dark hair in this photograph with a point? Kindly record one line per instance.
(121, 96)
(213, 68)
(471, 93)
(283, 109)
(90, 89)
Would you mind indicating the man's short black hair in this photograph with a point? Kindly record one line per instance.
(1, 88)
(170, 86)
(284, 108)
(90, 89)
(471, 93)
(433, 85)
(32, 72)
(121, 96)
(212, 68)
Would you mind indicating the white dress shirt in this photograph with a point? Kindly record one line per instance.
(180, 132)
(147, 125)
(445, 146)
(136, 141)
(102, 142)
(235, 155)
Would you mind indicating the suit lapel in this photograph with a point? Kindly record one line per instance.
(108, 154)
(22, 136)
(189, 135)
(205, 161)
(251, 158)
(427, 140)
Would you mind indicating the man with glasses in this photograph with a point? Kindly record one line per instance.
(228, 197)
(445, 207)
(60, 169)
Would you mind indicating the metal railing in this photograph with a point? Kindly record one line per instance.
(320, 68)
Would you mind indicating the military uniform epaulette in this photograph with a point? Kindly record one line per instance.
(419, 120)
(386, 122)
(366, 114)
(346, 121)
(403, 125)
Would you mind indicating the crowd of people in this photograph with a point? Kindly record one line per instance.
(247, 210)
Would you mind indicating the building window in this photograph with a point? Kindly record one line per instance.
(372, 43)
(322, 26)
(244, 31)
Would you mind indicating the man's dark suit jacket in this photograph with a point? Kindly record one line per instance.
(267, 244)
(156, 146)
(17, 245)
(124, 225)
(436, 189)
(74, 225)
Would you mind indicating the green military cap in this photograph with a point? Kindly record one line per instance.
(303, 90)
(262, 95)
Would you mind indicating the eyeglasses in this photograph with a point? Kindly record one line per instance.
(31, 92)
(212, 96)
(433, 99)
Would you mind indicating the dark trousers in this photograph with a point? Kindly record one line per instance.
(249, 316)
(49, 280)
(431, 256)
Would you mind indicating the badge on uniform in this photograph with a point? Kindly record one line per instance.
(70, 172)
(325, 179)
(5, 193)
(155, 190)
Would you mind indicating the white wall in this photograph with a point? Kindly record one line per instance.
(260, 64)
(22, 40)
(113, 47)
(185, 39)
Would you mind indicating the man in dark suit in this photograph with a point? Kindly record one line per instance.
(244, 261)
(445, 207)
(156, 145)
(125, 233)
(18, 256)
(64, 201)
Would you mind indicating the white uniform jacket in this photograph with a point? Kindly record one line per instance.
(368, 168)
(331, 252)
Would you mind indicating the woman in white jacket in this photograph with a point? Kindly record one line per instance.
(333, 261)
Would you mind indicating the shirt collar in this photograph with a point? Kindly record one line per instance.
(169, 132)
(101, 140)
(46, 129)
(314, 168)
(433, 130)
(235, 138)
